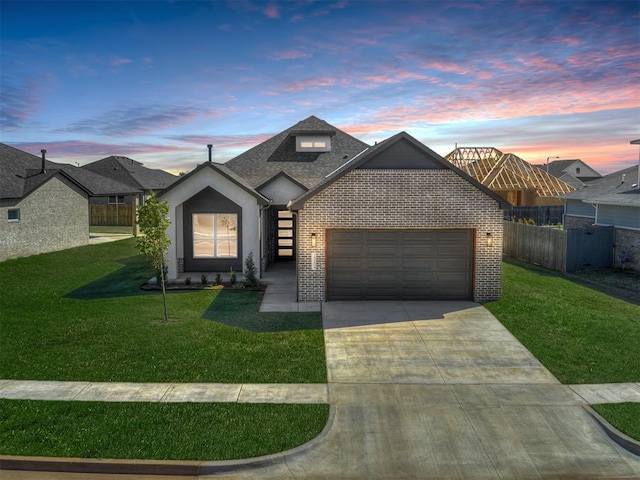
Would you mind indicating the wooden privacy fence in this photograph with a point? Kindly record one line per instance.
(561, 250)
(121, 215)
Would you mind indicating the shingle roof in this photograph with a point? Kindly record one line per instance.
(130, 172)
(505, 171)
(20, 173)
(277, 154)
(608, 185)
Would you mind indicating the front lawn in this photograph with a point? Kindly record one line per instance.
(80, 315)
(624, 416)
(579, 334)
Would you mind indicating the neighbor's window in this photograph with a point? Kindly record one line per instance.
(215, 235)
(577, 169)
(13, 214)
(116, 200)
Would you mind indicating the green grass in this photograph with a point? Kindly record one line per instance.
(110, 230)
(624, 416)
(187, 431)
(579, 334)
(80, 315)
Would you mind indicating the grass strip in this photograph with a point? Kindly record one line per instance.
(155, 431)
(579, 334)
(624, 416)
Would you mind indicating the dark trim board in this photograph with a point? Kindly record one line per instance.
(403, 264)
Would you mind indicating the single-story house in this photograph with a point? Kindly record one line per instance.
(389, 221)
(44, 206)
(130, 172)
(614, 200)
(121, 209)
(511, 177)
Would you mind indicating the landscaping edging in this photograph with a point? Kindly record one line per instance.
(188, 468)
(625, 441)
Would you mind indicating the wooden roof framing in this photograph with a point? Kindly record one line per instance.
(506, 171)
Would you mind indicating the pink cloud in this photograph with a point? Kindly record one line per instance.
(311, 83)
(271, 11)
(290, 55)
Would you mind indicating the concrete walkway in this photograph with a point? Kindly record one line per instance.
(417, 390)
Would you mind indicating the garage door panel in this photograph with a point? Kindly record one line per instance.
(402, 264)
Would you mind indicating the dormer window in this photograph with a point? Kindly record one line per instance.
(313, 143)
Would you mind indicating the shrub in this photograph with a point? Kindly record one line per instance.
(204, 279)
(233, 279)
(218, 279)
(250, 278)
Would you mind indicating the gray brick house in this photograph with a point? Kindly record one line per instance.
(44, 206)
(389, 221)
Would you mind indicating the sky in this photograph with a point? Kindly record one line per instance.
(159, 80)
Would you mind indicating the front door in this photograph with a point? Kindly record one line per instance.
(285, 246)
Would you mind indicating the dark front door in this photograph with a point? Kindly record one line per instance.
(285, 241)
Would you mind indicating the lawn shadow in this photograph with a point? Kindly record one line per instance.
(578, 278)
(240, 309)
(124, 282)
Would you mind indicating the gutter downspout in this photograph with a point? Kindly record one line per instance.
(261, 236)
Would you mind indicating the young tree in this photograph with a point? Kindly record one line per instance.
(153, 219)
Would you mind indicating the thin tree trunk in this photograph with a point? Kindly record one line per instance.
(164, 292)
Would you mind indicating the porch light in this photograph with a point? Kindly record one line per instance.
(489, 239)
(314, 240)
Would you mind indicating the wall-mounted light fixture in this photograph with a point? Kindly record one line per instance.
(489, 239)
(314, 240)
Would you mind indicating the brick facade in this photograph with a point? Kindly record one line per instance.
(627, 241)
(401, 199)
(572, 222)
(53, 217)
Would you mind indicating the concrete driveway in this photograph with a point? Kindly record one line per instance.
(437, 390)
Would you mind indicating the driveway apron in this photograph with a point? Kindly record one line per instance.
(442, 390)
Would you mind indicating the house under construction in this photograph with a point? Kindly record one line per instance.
(519, 182)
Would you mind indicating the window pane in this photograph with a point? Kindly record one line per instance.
(285, 223)
(285, 214)
(13, 215)
(285, 233)
(285, 242)
(285, 252)
(203, 239)
(226, 235)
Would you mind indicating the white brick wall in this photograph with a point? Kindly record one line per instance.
(53, 217)
(397, 199)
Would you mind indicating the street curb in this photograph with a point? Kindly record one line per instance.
(192, 468)
(616, 435)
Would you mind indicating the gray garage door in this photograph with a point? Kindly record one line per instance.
(402, 264)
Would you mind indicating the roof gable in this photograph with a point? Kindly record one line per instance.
(278, 154)
(383, 154)
(224, 172)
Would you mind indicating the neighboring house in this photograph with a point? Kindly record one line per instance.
(127, 171)
(573, 172)
(390, 221)
(614, 200)
(44, 205)
(514, 179)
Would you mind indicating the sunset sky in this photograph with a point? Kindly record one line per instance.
(157, 81)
